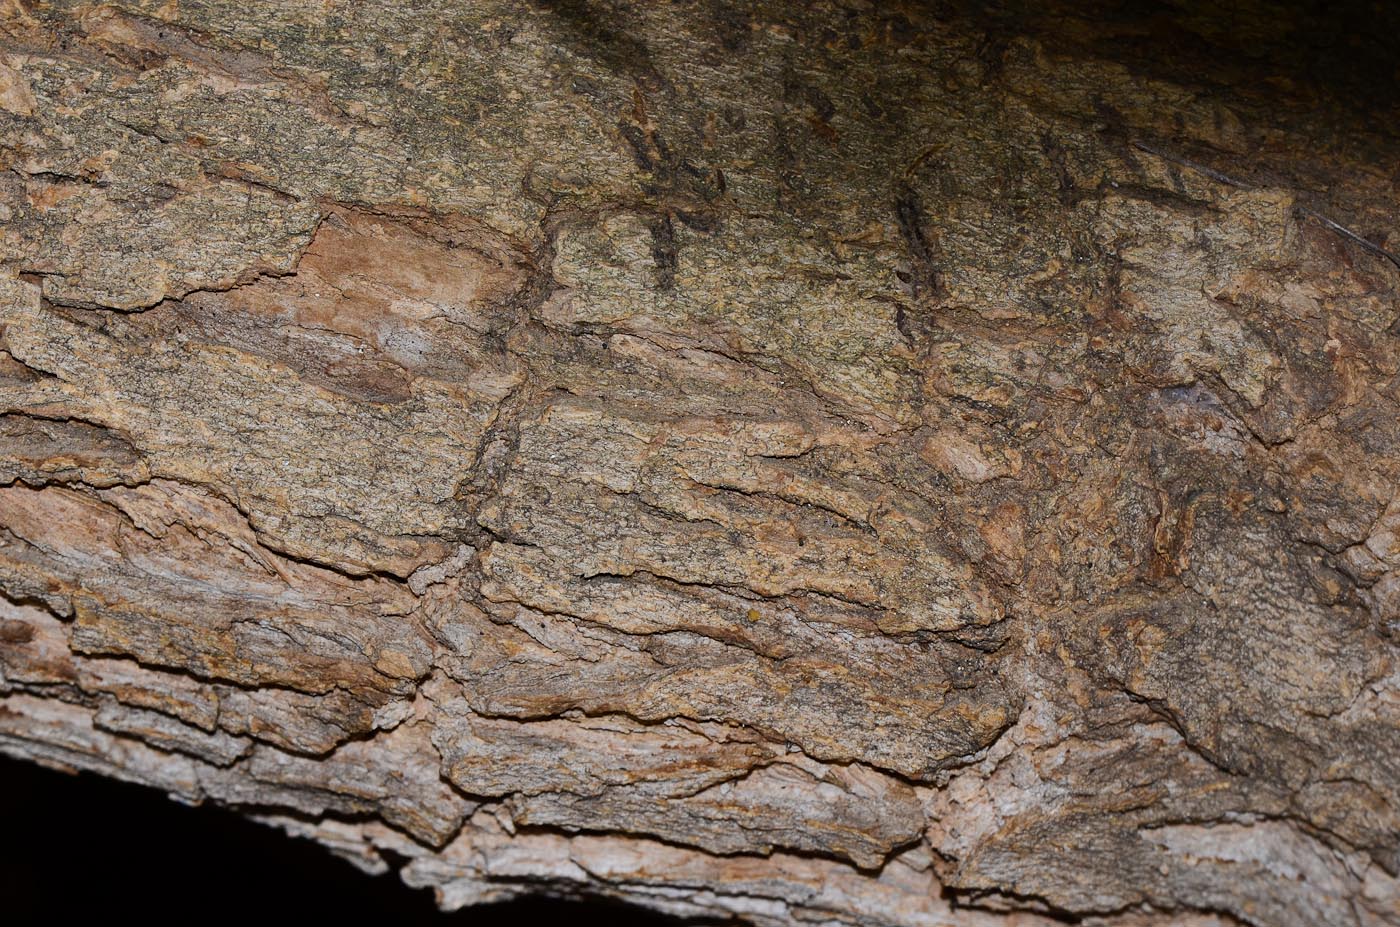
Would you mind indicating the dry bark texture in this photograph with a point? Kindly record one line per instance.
(845, 462)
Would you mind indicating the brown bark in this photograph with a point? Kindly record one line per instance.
(836, 462)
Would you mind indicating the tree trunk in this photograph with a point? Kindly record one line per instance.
(830, 462)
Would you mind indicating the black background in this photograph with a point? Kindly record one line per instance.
(84, 846)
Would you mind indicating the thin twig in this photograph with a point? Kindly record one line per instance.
(1199, 168)
(1220, 177)
(1348, 233)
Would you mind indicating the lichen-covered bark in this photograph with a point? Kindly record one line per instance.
(836, 462)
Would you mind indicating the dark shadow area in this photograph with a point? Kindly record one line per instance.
(1338, 53)
(89, 847)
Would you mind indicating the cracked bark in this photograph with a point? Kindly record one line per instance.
(814, 462)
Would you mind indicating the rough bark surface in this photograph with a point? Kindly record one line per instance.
(842, 463)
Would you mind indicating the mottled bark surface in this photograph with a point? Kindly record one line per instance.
(870, 463)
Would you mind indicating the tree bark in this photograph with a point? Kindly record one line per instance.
(838, 462)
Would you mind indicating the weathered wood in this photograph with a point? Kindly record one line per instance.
(829, 462)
